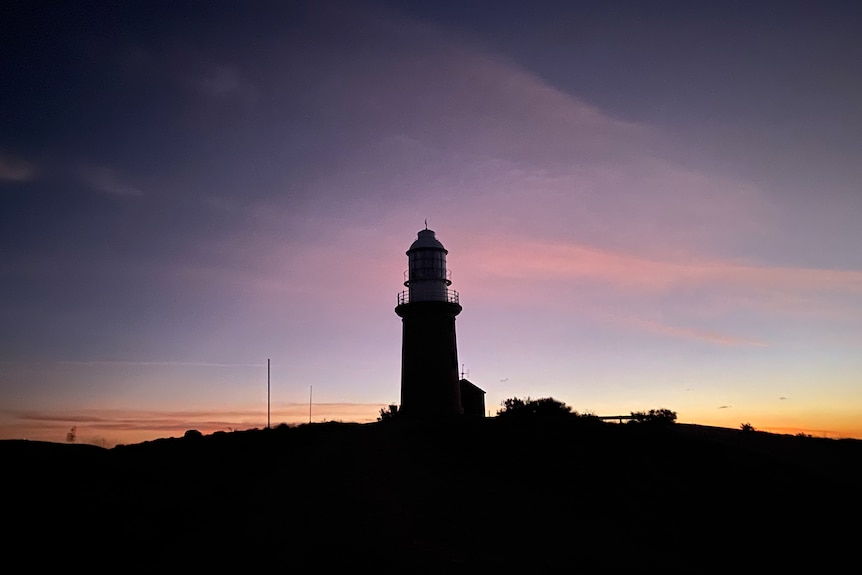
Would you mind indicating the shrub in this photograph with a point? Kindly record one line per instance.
(388, 413)
(654, 416)
(545, 407)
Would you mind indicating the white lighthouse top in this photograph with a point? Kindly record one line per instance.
(427, 275)
(426, 240)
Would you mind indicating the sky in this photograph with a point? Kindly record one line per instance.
(646, 205)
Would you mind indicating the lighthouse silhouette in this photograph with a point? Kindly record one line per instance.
(430, 387)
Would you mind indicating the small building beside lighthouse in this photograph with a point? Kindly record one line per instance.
(430, 385)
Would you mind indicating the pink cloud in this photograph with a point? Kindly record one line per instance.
(507, 258)
(686, 332)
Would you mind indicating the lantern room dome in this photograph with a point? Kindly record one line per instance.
(426, 240)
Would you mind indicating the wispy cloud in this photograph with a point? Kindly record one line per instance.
(556, 260)
(220, 81)
(106, 180)
(137, 363)
(15, 169)
(687, 332)
(677, 294)
(128, 425)
(223, 81)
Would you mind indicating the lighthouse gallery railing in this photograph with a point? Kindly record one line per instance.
(449, 295)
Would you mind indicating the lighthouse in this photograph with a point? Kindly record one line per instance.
(430, 386)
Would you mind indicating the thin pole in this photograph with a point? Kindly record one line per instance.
(310, 388)
(267, 394)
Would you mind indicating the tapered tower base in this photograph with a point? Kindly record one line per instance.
(429, 359)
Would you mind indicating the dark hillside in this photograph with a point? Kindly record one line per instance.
(490, 494)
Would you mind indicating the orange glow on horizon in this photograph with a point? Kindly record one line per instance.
(108, 428)
(840, 426)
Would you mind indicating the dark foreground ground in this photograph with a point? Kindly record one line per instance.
(490, 495)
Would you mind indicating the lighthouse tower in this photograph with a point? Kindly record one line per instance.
(429, 354)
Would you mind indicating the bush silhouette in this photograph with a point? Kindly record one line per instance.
(545, 407)
(389, 413)
(654, 416)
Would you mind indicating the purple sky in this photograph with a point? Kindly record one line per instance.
(645, 205)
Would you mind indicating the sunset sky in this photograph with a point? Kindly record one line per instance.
(646, 204)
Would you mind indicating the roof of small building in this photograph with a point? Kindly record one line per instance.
(471, 384)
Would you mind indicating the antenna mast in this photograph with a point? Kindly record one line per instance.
(267, 394)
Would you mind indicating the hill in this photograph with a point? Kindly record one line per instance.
(420, 497)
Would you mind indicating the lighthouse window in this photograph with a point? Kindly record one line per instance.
(427, 264)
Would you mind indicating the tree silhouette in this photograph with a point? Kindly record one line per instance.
(388, 413)
(545, 407)
(654, 416)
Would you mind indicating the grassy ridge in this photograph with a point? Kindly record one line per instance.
(421, 497)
